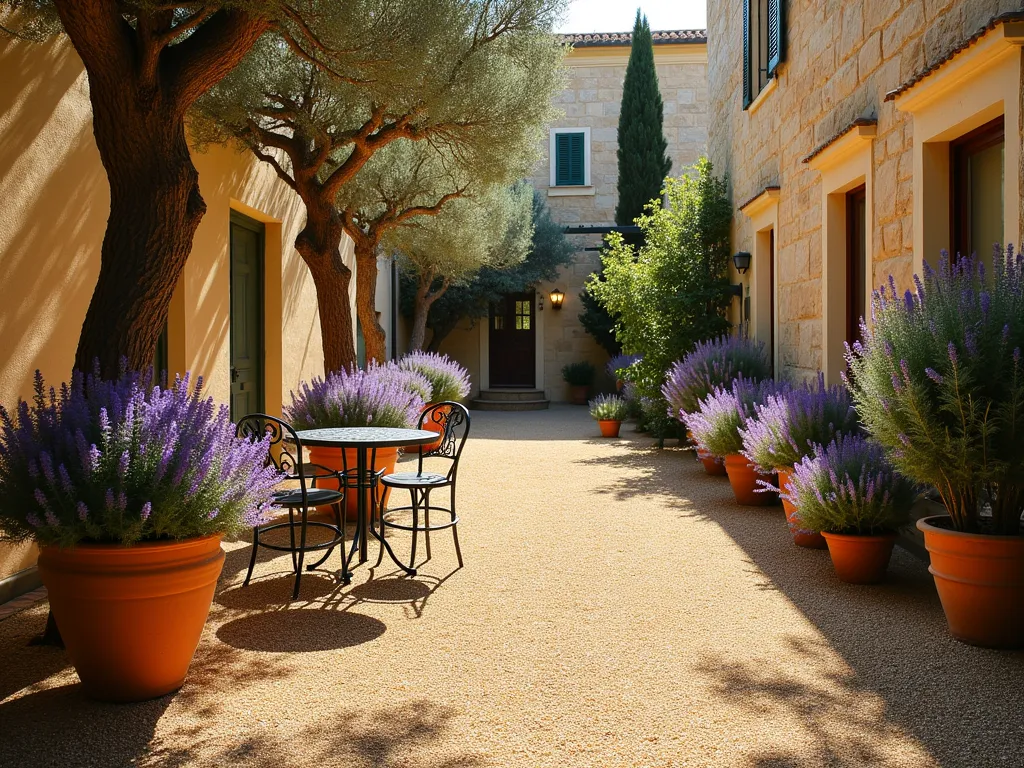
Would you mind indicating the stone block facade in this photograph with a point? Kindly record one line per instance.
(841, 60)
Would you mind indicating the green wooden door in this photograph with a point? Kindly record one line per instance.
(246, 317)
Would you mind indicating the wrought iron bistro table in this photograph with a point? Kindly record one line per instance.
(365, 441)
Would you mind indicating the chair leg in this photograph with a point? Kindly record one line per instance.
(415, 525)
(301, 555)
(381, 527)
(252, 559)
(455, 530)
(291, 535)
(426, 520)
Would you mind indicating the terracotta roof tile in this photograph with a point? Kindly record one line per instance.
(666, 37)
(994, 22)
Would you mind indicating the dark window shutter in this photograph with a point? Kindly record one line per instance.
(570, 162)
(746, 54)
(776, 33)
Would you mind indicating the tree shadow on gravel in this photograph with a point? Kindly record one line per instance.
(402, 736)
(893, 635)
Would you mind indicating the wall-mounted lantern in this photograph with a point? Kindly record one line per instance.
(557, 296)
(741, 260)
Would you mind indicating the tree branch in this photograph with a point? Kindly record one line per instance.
(272, 161)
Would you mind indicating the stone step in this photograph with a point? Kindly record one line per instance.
(509, 405)
(510, 395)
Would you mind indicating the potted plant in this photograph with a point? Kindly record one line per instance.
(939, 381)
(711, 364)
(448, 380)
(850, 492)
(617, 365)
(609, 412)
(381, 396)
(127, 490)
(786, 427)
(716, 425)
(579, 376)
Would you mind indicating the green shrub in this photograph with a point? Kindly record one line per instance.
(579, 374)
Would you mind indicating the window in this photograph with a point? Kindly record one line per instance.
(523, 315)
(976, 190)
(763, 45)
(856, 261)
(569, 160)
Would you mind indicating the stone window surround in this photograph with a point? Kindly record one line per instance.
(844, 165)
(570, 191)
(976, 86)
(763, 212)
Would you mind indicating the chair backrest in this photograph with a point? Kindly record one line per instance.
(452, 420)
(285, 447)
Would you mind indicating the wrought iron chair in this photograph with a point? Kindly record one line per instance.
(453, 420)
(286, 454)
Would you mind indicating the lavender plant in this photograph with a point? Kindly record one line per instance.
(448, 379)
(717, 422)
(786, 426)
(608, 408)
(112, 462)
(939, 382)
(354, 398)
(413, 381)
(618, 363)
(849, 487)
(711, 364)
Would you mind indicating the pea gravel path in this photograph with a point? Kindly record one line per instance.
(616, 609)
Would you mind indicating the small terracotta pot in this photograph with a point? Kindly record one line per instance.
(578, 394)
(980, 581)
(860, 559)
(712, 464)
(131, 617)
(802, 537)
(743, 479)
(609, 427)
(619, 384)
(332, 459)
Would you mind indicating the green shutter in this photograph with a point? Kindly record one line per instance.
(776, 35)
(746, 54)
(570, 160)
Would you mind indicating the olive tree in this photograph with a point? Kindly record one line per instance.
(494, 229)
(148, 62)
(471, 80)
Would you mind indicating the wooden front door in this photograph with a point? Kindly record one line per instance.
(513, 341)
(246, 317)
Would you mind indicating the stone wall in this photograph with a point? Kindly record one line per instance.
(841, 60)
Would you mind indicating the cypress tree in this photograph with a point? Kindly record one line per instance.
(642, 153)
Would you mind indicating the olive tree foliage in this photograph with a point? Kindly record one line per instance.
(471, 297)
(148, 61)
(492, 229)
(672, 291)
(469, 80)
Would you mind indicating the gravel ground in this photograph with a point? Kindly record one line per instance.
(616, 609)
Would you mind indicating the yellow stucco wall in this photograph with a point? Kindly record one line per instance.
(53, 210)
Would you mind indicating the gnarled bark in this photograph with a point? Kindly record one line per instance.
(374, 338)
(426, 295)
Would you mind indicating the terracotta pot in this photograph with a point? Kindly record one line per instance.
(578, 394)
(332, 459)
(609, 427)
(860, 559)
(131, 617)
(743, 480)
(980, 581)
(619, 384)
(712, 464)
(802, 537)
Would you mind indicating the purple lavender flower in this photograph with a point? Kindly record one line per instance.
(905, 370)
(354, 399)
(932, 374)
(951, 351)
(620, 362)
(82, 510)
(711, 364)
(147, 509)
(448, 379)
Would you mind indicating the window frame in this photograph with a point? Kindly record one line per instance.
(764, 38)
(961, 149)
(553, 158)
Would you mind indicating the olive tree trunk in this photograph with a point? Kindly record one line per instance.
(374, 338)
(425, 298)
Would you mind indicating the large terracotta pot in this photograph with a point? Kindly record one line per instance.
(802, 537)
(578, 394)
(332, 459)
(860, 559)
(743, 479)
(431, 426)
(980, 581)
(131, 617)
(609, 427)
